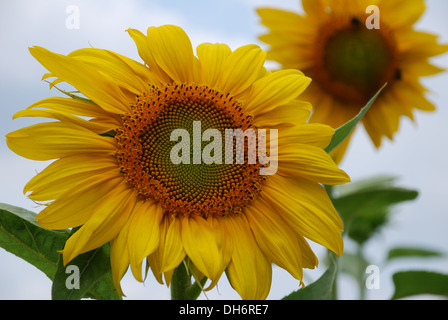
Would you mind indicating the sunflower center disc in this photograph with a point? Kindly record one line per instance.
(144, 148)
(355, 62)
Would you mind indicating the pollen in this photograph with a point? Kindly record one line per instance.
(144, 147)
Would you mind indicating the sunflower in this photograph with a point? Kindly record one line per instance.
(113, 174)
(349, 61)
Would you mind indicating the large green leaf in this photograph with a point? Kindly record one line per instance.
(411, 283)
(345, 130)
(366, 207)
(323, 288)
(370, 183)
(93, 273)
(20, 235)
(364, 201)
(411, 252)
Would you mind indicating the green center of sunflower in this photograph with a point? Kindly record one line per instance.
(145, 147)
(354, 62)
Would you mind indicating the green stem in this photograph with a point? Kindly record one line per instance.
(334, 290)
(361, 283)
(180, 281)
(181, 286)
(334, 294)
(195, 289)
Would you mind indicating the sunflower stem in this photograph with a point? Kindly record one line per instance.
(361, 272)
(181, 285)
(334, 293)
(195, 289)
(180, 282)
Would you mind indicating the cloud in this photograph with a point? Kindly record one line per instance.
(101, 24)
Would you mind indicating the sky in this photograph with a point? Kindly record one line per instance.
(418, 155)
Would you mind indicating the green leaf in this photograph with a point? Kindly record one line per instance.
(366, 201)
(345, 130)
(20, 235)
(323, 288)
(104, 289)
(371, 183)
(408, 252)
(20, 212)
(367, 208)
(87, 276)
(411, 283)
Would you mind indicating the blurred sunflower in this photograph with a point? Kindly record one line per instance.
(349, 62)
(113, 175)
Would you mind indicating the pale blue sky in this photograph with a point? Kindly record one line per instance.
(418, 155)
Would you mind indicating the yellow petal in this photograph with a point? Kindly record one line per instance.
(65, 109)
(242, 67)
(338, 154)
(67, 173)
(283, 23)
(397, 15)
(314, 8)
(119, 257)
(308, 210)
(144, 235)
(413, 95)
(295, 112)
(310, 162)
(172, 51)
(417, 67)
(65, 117)
(127, 73)
(275, 238)
(276, 89)
(144, 50)
(391, 118)
(212, 58)
(372, 122)
(309, 259)
(75, 107)
(419, 45)
(225, 244)
(76, 204)
(314, 134)
(201, 246)
(155, 260)
(109, 217)
(249, 271)
(173, 250)
(96, 86)
(46, 141)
